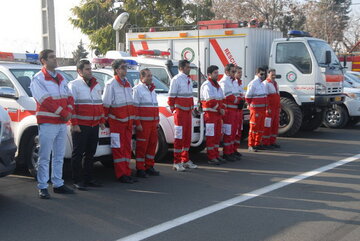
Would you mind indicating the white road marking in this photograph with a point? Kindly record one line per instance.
(231, 202)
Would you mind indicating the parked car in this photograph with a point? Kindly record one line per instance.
(338, 116)
(353, 78)
(7, 144)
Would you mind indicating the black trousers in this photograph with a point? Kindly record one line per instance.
(84, 148)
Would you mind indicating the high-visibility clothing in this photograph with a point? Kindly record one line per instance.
(230, 90)
(53, 97)
(273, 112)
(239, 118)
(89, 109)
(120, 112)
(147, 115)
(211, 97)
(182, 102)
(256, 97)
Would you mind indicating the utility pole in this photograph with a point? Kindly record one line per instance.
(48, 24)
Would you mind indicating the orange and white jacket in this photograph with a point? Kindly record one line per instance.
(180, 93)
(256, 95)
(146, 104)
(88, 110)
(231, 92)
(211, 96)
(273, 94)
(53, 97)
(118, 100)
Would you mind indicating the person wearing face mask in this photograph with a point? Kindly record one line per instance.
(230, 88)
(211, 97)
(147, 121)
(181, 103)
(88, 117)
(120, 112)
(256, 98)
(272, 111)
(241, 96)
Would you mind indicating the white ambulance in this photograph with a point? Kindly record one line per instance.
(308, 72)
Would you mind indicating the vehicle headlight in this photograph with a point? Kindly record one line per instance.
(6, 131)
(320, 89)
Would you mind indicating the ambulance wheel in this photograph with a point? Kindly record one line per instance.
(162, 146)
(336, 117)
(312, 122)
(30, 147)
(290, 117)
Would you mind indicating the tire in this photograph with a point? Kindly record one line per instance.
(290, 117)
(312, 122)
(336, 117)
(162, 147)
(30, 153)
(106, 161)
(198, 149)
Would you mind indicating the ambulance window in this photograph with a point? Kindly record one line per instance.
(5, 81)
(295, 54)
(161, 74)
(101, 78)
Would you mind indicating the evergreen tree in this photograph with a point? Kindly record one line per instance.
(80, 52)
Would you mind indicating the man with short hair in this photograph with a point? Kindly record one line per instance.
(120, 112)
(230, 88)
(241, 98)
(54, 110)
(88, 116)
(181, 103)
(255, 96)
(211, 97)
(272, 111)
(147, 121)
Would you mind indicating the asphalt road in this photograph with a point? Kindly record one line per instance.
(324, 206)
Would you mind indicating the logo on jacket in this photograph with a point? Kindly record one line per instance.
(291, 76)
(188, 54)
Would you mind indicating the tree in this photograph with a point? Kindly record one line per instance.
(352, 33)
(80, 52)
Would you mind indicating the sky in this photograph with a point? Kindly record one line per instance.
(20, 26)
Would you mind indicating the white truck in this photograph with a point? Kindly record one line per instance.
(308, 72)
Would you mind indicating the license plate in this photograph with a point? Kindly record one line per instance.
(338, 98)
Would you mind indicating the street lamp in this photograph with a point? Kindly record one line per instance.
(119, 23)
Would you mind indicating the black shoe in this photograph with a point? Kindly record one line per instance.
(275, 145)
(236, 157)
(252, 149)
(93, 183)
(44, 194)
(214, 162)
(260, 147)
(222, 160)
(152, 172)
(228, 158)
(80, 186)
(126, 179)
(63, 190)
(237, 154)
(141, 173)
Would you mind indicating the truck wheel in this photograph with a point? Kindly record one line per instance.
(162, 147)
(31, 152)
(290, 117)
(336, 117)
(312, 122)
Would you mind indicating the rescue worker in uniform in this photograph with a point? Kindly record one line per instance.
(181, 103)
(272, 111)
(88, 116)
(229, 87)
(119, 110)
(211, 97)
(147, 121)
(54, 110)
(256, 99)
(241, 97)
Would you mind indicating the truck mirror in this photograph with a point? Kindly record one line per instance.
(327, 57)
(278, 76)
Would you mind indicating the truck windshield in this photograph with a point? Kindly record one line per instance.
(319, 49)
(193, 74)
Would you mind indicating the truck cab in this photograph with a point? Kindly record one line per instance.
(310, 79)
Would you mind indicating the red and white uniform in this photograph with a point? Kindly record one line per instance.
(239, 123)
(120, 112)
(255, 96)
(89, 109)
(230, 90)
(53, 97)
(211, 96)
(147, 115)
(273, 111)
(181, 100)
